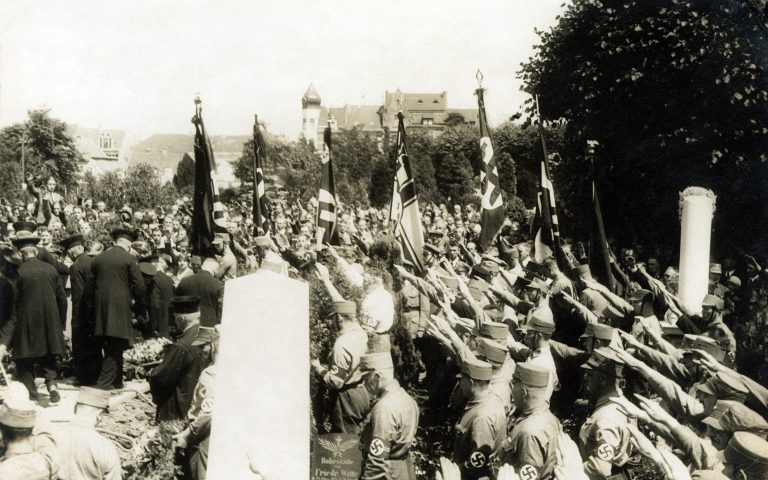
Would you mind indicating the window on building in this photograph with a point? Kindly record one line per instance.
(427, 121)
(105, 141)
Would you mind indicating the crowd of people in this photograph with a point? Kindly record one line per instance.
(506, 344)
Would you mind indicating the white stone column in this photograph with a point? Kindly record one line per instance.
(697, 207)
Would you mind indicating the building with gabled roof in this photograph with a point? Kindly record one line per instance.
(103, 150)
(427, 111)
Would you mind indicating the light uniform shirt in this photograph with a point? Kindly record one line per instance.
(531, 445)
(604, 440)
(85, 454)
(479, 433)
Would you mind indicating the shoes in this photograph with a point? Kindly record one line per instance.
(54, 396)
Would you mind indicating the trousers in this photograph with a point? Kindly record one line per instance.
(111, 374)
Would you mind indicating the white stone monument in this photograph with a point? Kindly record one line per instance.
(697, 207)
(261, 411)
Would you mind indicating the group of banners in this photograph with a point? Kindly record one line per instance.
(406, 226)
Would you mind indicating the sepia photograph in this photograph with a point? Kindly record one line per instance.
(439, 240)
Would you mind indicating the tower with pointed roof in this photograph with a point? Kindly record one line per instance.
(310, 114)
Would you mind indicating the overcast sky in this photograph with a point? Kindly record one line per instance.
(138, 64)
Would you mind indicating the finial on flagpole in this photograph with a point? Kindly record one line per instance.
(479, 77)
(400, 104)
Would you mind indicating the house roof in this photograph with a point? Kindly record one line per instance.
(88, 141)
(365, 117)
(416, 102)
(165, 150)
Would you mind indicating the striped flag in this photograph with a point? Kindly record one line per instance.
(405, 206)
(326, 208)
(208, 211)
(260, 204)
(493, 203)
(545, 226)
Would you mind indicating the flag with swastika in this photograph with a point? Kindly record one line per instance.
(492, 203)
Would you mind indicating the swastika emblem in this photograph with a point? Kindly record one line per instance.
(528, 472)
(207, 405)
(605, 452)
(377, 447)
(477, 459)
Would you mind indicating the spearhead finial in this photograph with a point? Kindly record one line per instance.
(479, 77)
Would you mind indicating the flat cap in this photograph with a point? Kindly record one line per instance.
(346, 307)
(715, 268)
(148, 269)
(72, 241)
(19, 414)
(534, 269)
(541, 321)
(740, 418)
(747, 450)
(185, 304)
(494, 352)
(477, 369)
(531, 375)
(477, 287)
(496, 312)
(127, 233)
(27, 241)
(605, 360)
(701, 342)
(24, 226)
(713, 420)
(56, 249)
(433, 249)
(95, 397)
(494, 331)
(713, 301)
(376, 361)
(10, 255)
(522, 282)
(600, 331)
(724, 387)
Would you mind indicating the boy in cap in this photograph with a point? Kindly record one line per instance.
(24, 459)
(394, 418)
(35, 332)
(532, 442)
(483, 424)
(84, 453)
(535, 347)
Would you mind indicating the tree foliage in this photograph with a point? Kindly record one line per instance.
(139, 188)
(184, 179)
(675, 93)
(49, 152)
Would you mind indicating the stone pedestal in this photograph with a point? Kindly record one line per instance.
(697, 206)
(261, 411)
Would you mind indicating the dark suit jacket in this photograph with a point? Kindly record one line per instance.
(162, 312)
(36, 327)
(79, 276)
(211, 292)
(173, 381)
(118, 292)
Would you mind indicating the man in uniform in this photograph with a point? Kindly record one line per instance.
(210, 289)
(391, 430)
(25, 458)
(173, 381)
(35, 332)
(85, 350)
(84, 453)
(483, 425)
(532, 443)
(535, 346)
(343, 376)
(118, 293)
(604, 439)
